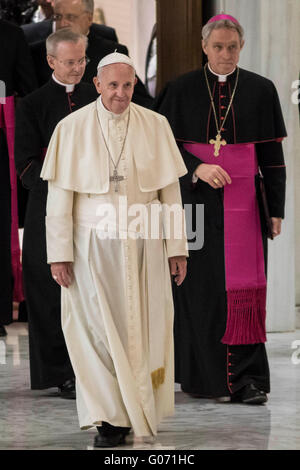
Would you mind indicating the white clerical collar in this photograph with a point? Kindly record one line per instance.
(221, 78)
(69, 87)
(109, 114)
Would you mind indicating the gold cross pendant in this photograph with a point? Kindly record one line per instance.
(217, 143)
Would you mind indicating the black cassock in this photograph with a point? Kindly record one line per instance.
(35, 32)
(17, 75)
(36, 118)
(203, 365)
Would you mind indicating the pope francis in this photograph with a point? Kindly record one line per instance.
(105, 164)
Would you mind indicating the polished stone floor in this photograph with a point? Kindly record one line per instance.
(42, 420)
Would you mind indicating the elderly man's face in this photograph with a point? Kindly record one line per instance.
(116, 86)
(223, 49)
(69, 62)
(72, 14)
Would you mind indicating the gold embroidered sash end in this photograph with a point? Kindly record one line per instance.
(158, 377)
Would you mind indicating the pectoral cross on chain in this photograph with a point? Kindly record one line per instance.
(217, 143)
(116, 179)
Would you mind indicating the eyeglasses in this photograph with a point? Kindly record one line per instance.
(69, 17)
(71, 63)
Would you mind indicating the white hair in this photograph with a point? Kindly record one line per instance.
(63, 35)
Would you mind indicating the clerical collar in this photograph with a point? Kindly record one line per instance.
(221, 78)
(69, 87)
(109, 114)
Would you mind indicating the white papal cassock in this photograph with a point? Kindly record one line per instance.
(117, 315)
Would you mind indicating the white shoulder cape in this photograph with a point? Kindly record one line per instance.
(77, 158)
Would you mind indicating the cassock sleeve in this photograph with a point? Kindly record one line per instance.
(191, 162)
(28, 145)
(168, 104)
(59, 224)
(169, 196)
(24, 75)
(271, 162)
(171, 103)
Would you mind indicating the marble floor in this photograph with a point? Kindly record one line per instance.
(42, 420)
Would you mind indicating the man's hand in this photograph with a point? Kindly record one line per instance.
(62, 273)
(276, 226)
(214, 175)
(178, 268)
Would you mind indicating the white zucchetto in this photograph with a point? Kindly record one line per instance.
(115, 58)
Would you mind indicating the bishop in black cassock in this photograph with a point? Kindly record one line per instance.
(36, 118)
(219, 331)
(16, 77)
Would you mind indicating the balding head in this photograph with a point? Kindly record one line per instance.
(74, 14)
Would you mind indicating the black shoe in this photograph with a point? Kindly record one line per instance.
(110, 436)
(3, 331)
(67, 389)
(251, 395)
(109, 441)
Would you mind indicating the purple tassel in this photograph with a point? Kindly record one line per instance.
(246, 316)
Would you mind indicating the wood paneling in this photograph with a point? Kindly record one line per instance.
(179, 24)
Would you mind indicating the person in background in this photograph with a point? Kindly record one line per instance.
(99, 16)
(37, 116)
(229, 126)
(78, 15)
(35, 32)
(17, 78)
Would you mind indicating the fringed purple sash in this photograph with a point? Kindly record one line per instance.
(7, 122)
(244, 259)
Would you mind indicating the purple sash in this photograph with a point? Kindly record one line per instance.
(244, 259)
(7, 122)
